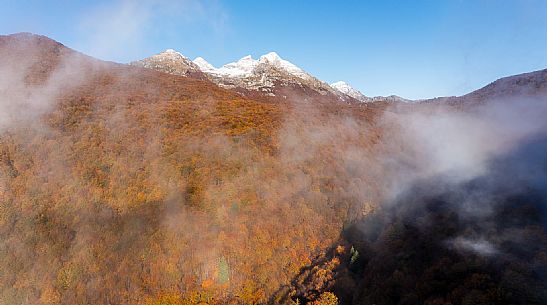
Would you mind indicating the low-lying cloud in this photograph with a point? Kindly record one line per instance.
(459, 145)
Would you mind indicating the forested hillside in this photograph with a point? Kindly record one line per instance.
(134, 186)
(123, 185)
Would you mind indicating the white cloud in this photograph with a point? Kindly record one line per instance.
(120, 29)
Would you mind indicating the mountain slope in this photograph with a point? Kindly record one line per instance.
(124, 185)
(130, 186)
(346, 89)
(526, 85)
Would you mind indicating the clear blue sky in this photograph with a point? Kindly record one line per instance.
(416, 49)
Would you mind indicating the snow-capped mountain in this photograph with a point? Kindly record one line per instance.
(203, 65)
(169, 61)
(348, 90)
(273, 59)
(241, 68)
(265, 74)
(269, 74)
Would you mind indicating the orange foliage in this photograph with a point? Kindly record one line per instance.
(140, 182)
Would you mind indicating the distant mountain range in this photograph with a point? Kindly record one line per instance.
(267, 75)
(270, 74)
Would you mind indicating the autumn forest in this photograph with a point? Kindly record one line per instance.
(125, 185)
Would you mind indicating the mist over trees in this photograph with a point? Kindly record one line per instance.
(122, 185)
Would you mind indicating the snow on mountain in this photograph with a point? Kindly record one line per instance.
(346, 89)
(241, 68)
(262, 74)
(171, 53)
(267, 74)
(273, 59)
(203, 65)
(246, 65)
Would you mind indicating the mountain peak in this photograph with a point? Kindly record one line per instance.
(275, 60)
(172, 52)
(169, 61)
(246, 58)
(240, 68)
(261, 74)
(271, 57)
(348, 90)
(204, 65)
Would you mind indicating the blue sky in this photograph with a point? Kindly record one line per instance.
(415, 49)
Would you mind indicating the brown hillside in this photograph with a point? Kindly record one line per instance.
(123, 185)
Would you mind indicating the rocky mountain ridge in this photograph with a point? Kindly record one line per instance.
(172, 62)
(268, 74)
